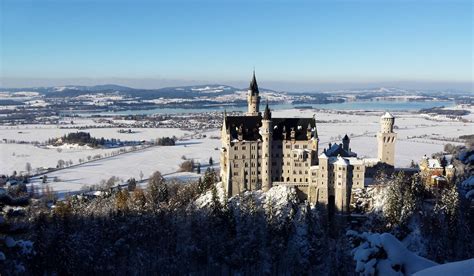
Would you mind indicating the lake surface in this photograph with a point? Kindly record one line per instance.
(356, 105)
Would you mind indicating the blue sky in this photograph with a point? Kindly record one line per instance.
(300, 44)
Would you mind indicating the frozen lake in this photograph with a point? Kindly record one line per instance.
(355, 105)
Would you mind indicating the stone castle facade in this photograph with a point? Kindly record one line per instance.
(260, 151)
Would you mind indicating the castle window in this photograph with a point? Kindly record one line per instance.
(339, 168)
(305, 146)
(236, 157)
(246, 165)
(243, 147)
(236, 173)
(243, 156)
(288, 146)
(236, 165)
(297, 146)
(236, 148)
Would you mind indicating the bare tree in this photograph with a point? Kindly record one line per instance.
(28, 167)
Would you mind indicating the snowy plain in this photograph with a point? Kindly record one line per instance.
(417, 135)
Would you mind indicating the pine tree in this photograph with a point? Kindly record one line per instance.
(121, 200)
(198, 169)
(157, 189)
(131, 184)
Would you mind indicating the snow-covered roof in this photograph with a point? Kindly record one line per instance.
(355, 161)
(387, 115)
(434, 163)
(371, 161)
(341, 161)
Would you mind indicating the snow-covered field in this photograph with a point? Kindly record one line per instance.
(15, 156)
(361, 126)
(165, 159)
(31, 133)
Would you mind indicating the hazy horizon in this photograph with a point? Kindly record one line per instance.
(297, 45)
(274, 85)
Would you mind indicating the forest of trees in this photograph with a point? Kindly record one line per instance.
(181, 228)
(81, 138)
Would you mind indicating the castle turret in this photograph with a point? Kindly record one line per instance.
(266, 132)
(345, 142)
(386, 139)
(253, 98)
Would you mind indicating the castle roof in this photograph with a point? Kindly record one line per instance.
(338, 150)
(387, 115)
(341, 161)
(249, 127)
(267, 115)
(299, 125)
(253, 87)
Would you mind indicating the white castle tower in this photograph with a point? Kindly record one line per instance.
(266, 132)
(253, 98)
(386, 139)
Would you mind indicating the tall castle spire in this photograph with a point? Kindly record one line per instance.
(253, 97)
(267, 114)
(253, 85)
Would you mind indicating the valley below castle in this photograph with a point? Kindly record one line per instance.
(198, 139)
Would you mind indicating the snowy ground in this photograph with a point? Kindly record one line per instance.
(15, 156)
(165, 159)
(361, 126)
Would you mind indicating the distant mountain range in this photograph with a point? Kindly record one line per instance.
(212, 90)
(208, 90)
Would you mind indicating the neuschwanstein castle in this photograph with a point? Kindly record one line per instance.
(260, 151)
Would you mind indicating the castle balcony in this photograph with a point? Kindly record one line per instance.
(292, 184)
